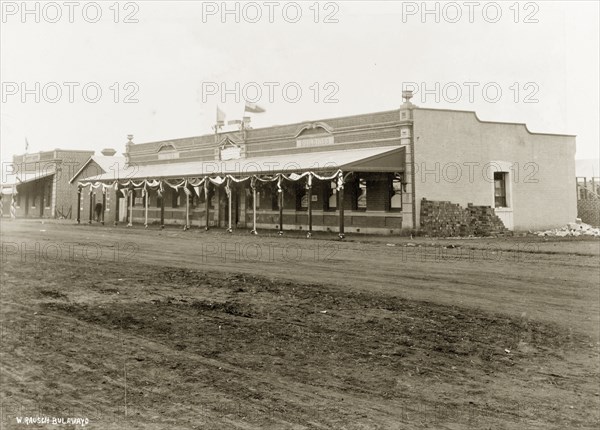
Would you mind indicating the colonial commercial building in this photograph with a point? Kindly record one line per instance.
(370, 173)
(37, 185)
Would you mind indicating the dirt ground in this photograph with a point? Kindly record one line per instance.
(126, 328)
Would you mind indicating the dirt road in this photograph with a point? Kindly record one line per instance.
(134, 328)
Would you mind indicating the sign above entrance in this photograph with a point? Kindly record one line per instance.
(314, 134)
(231, 153)
(230, 149)
(311, 141)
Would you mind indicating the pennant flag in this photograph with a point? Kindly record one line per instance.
(197, 189)
(220, 117)
(253, 108)
(187, 191)
(26, 145)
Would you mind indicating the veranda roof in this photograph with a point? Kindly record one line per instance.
(378, 159)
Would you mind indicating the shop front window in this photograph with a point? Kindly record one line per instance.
(396, 193)
(361, 195)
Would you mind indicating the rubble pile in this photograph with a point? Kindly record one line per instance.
(572, 229)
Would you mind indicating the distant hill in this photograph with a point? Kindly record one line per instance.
(588, 167)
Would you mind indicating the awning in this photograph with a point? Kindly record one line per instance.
(379, 159)
(26, 177)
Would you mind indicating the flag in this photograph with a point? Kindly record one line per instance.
(26, 145)
(253, 108)
(234, 122)
(187, 191)
(220, 117)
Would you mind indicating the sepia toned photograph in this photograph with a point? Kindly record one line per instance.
(353, 215)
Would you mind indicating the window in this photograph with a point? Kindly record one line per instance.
(361, 194)
(396, 193)
(304, 201)
(48, 197)
(500, 189)
(332, 197)
(138, 199)
(301, 197)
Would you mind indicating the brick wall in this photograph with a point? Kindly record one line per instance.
(68, 164)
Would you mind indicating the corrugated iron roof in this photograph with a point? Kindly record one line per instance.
(35, 175)
(285, 163)
(105, 162)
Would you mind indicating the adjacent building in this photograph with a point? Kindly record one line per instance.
(39, 183)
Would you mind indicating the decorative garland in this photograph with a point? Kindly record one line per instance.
(198, 182)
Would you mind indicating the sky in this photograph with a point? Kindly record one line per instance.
(87, 75)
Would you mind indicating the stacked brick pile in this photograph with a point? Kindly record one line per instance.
(446, 219)
(484, 221)
(443, 219)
